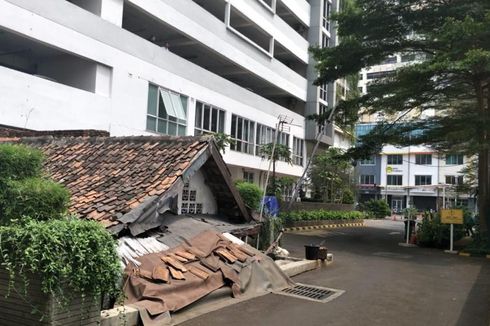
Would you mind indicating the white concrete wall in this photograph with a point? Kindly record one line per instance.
(134, 62)
(204, 194)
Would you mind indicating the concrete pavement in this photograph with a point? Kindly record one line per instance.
(385, 285)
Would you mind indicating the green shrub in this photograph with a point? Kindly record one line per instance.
(19, 162)
(376, 208)
(250, 193)
(347, 197)
(432, 233)
(37, 198)
(320, 215)
(77, 254)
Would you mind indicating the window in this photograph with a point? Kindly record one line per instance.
(323, 92)
(423, 159)
(327, 9)
(242, 131)
(368, 161)
(394, 180)
(389, 60)
(209, 119)
(325, 40)
(454, 159)
(248, 176)
(380, 74)
(395, 159)
(265, 135)
(367, 179)
(166, 112)
(189, 201)
(454, 180)
(423, 180)
(298, 151)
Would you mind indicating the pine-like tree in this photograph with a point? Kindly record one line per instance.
(452, 78)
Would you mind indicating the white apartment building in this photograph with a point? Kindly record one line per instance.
(177, 67)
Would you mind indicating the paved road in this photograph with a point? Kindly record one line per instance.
(385, 285)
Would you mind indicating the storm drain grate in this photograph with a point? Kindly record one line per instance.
(312, 292)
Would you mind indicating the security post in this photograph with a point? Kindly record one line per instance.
(451, 216)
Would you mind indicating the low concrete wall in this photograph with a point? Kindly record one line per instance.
(311, 206)
(322, 222)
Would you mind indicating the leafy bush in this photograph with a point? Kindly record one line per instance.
(77, 254)
(376, 208)
(18, 162)
(347, 197)
(318, 215)
(37, 198)
(250, 193)
(432, 233)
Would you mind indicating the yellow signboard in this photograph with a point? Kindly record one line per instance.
(452, 216)
(389, 169)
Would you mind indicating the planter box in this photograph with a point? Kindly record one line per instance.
(321, 222)
(20, 310)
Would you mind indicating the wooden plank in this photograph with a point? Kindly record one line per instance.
(186, 255)
(198, 272)
(225, 254)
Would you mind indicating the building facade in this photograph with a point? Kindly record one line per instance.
(413, 176)
(186, 67)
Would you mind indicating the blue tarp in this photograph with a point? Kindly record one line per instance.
(271, 206)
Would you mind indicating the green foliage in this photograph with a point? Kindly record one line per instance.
(432, 233)
(348, 197)
(222, 141)
(73, 253)
(450, 76)
(281, 152)
(319, 215)
(37, 198)
(376, 208)
(480, 245)
(250, 193)
(18, 162)
(331, 176)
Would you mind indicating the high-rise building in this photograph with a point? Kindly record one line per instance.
(174, 67)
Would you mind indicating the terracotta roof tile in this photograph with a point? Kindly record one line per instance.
(109, 176)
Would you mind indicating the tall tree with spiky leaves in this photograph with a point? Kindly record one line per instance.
(452, 80)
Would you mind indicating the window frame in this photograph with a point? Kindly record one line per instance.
(392, 176)
(423, 180)
(247, 139)
(423, 159)
(166, 118)
(297, 154)
(362, 179)
(391, 156)
(366, 162)
(457, 158)
(220, 119)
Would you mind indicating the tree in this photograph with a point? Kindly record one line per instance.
(331, 176)
(450, 40)
(281, 152)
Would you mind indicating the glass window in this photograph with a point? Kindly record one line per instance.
(166, 113)
(265, 135)
(327, 10)
(248, 176)
(454, 159)
(423, 159)
(209, 119)
(395, 159)
(367, 179)
(380, 74)
(394, 180)
(368, 161)
(423, 180)
(298, 151)
(454, 180)
(242, 131)
(324, 92)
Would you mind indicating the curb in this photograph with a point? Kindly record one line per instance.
(467, 254)
(326, 226)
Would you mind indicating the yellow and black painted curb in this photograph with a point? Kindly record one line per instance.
(325, 226)
(467, 254)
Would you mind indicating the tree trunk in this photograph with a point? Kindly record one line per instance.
(483, 161)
